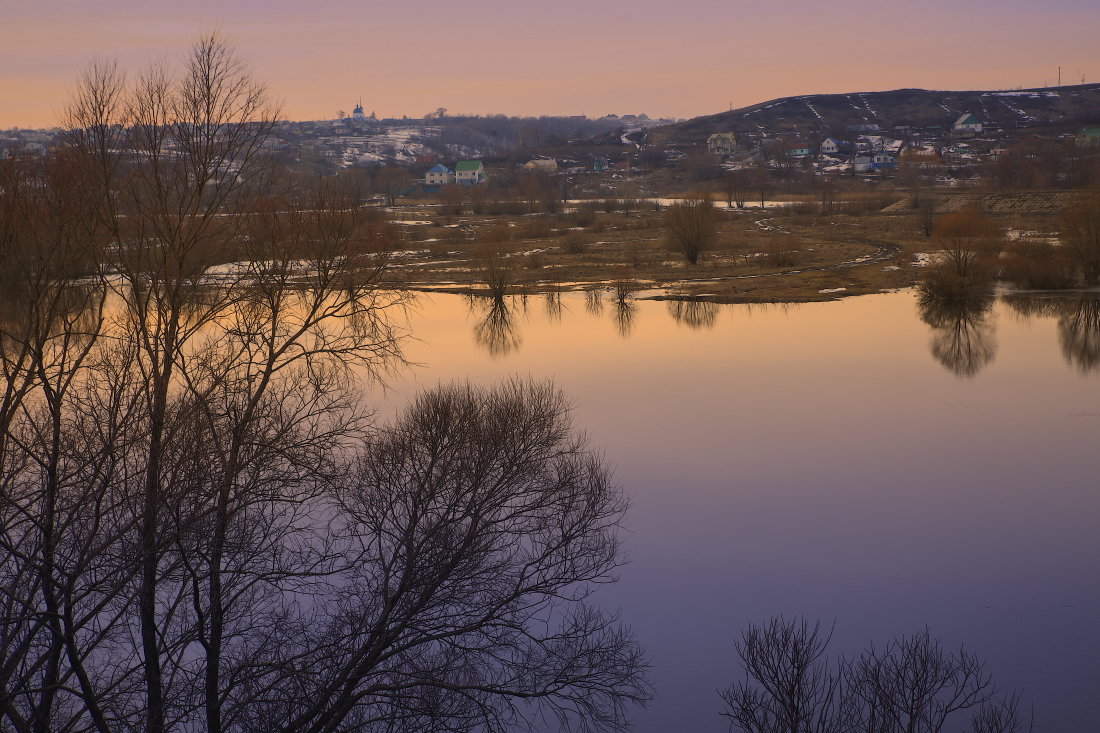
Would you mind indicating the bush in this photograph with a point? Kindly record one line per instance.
(691, 225)
(576, 243)
(782, 251)
(1039, 266)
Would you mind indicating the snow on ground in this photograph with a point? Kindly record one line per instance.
(1014, 108)
(816, 113)
(868, 106)
(832, 290)
(1031, 94)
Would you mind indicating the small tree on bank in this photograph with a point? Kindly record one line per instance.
(967, 237)
(691, 226)
(1081, 234)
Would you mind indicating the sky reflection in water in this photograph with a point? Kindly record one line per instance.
(860, 460)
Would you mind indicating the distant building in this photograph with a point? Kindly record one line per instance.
(543, 165)
(832, 146)
(357, 113)
(967, 123)
(722, 143)
(1088, 137)
(883, 160)
(470, 172)
(439, 175)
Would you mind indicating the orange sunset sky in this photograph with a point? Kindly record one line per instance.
(677, 59)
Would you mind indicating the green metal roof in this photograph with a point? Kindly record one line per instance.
(467, 165)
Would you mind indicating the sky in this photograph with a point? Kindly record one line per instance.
(554, 57)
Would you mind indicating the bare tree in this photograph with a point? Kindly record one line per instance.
(911, 685)
(691, 226)
(393, 182)
(966, 238)
(453, 196)
(735, 184)
(476, 527)
(1081, 233)
(788, 686)
(182, 515)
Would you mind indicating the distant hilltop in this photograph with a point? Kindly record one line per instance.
(823, 114)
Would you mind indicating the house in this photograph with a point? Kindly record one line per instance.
(832, 146)
(439, 175)
(470, 172)
(799, 150)
(542, 165)
(883, 160)
(722, 143)
(967, 123)
(861, 164)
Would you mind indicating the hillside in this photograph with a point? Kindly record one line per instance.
(815, 115)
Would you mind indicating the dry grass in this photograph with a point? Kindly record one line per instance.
(767, 256)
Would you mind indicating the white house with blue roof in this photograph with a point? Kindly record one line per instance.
(439, 175)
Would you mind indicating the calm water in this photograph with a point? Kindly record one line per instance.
(843, 461)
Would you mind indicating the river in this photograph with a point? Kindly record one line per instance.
(843, 461)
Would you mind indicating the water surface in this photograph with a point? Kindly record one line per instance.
(844, 461)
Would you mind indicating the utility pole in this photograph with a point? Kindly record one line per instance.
(1059, 76)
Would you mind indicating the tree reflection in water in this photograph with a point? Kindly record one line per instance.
(625, 309)
(962, 330)
(593, 301)
(552, 301)
(1079, 333)
(697, 314)
(1078, 324)
(497, 331)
